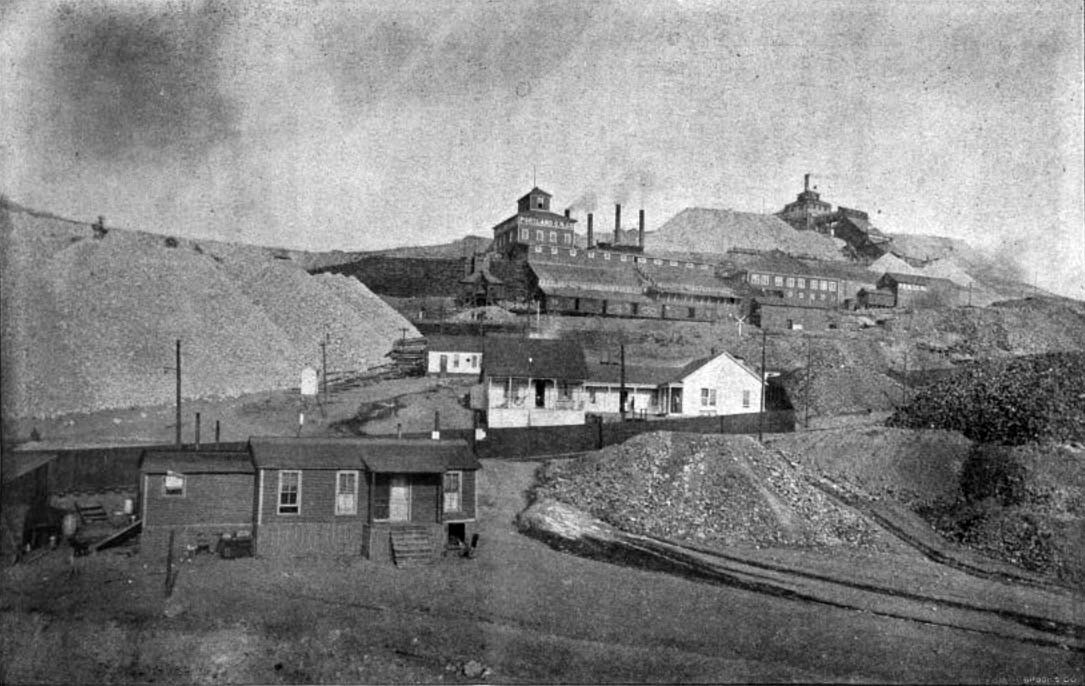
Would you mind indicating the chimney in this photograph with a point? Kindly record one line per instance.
(591, 242)
(640, 231)
(805, 183)
(566, 212)
(197, 431)
(617, 223)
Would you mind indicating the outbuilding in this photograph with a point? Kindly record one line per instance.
(382, 498)
(199, 494)
(454, 355)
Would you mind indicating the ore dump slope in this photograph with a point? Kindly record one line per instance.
(90, 319)
(703, 230)
(705, 490)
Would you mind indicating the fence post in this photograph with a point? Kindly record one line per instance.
(598, 432)
(169, 567)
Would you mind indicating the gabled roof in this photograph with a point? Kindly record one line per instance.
(401, 455)
(471, 344)
(533, 357)
(535, 191)
(211, 461)
(696, 364)
(544, 214)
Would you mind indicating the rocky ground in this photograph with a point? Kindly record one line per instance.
(708, 490)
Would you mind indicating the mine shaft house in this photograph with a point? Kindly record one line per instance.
(402, 499)
(533, 382)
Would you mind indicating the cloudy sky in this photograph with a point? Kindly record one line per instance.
(366, 125)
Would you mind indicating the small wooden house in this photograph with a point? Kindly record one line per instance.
(533, 382)
(375, 497)
(454, 355)
(200, 494)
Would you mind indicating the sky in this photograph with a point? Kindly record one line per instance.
(366, 125)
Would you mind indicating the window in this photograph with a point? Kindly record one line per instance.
(814, 284)
(346, 493)
(801, 283)
(591, 255)
(623, 257)
(824, 285)
(657, 262)
(832, 286)
(745, 398)
(790, 293)
(553, 236)
(539, 203)
(802, 295)
(591, 396)
(790, 282)
(689, 265)
(453, 492)
(673, 263)
(708, 397)
(455, 361)
(572, 252)
(538, 235)
(289, 491)
(569, 238)
(538, 248)
(524, 234)
(173, 484)
(606, 256)
(779, 280)
(821, 296)
(553, 251)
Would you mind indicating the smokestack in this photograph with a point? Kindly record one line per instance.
(591, 237)
(197, 431)
(640, 231)
(805, 183)
(566, 212)
(617, 223)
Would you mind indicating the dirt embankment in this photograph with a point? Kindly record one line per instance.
(706, 490)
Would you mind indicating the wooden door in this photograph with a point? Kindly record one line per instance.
(399, 499)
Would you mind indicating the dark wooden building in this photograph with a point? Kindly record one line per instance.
(779, 314)
(198, 494)
(374, 497)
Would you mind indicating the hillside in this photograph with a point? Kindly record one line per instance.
(697, 229)
(90, 318)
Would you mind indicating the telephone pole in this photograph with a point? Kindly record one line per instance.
(806, 390)
(178, 368)
(761, 416)
(621, 391)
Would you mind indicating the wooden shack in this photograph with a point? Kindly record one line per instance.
(200, 494)
(381, 498)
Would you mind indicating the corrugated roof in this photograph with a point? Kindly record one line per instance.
(196, 462)
(535, 358)
(375, 454)
(612, 296)
(604, 275)
(471, 344)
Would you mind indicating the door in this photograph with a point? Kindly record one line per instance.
(444, 364)
(399, 499)
(676, 401)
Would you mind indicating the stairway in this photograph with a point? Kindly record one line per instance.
(411, 545)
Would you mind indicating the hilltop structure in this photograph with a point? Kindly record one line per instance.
(810, 213)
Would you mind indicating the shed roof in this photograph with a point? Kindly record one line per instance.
(917, 279)
(472, 344)
(399, 455)
(534, 357)
(196, 461)
(641, 375)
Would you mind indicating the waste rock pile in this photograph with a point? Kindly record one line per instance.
(705, 490)
(1024, 504)
(1036, 398)
(915, 468)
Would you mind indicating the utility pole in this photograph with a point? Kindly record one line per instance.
(904, 382)
(621, 381)
(806, 391)
(178, 368)
(761, 417)
(324, 365)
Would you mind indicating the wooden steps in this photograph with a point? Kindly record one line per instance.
(411, 545)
